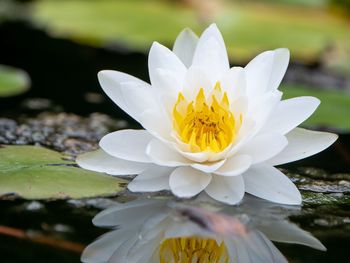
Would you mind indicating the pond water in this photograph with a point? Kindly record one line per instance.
(59, 113)
(159, 227)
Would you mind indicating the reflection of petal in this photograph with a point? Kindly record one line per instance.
(134, 212)
(163, 231)
(120, 255)
(103, 248)
(286, 232)
(255, 248)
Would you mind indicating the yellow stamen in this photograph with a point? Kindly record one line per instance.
(205, 124)
(192, 250)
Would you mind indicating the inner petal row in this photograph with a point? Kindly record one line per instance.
(205, 124)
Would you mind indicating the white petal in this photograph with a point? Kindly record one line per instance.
(196, 157)
(261, 108)
(234, 83)
(210, 54)
(127, 92)
(185, 45)
(265, 72)
(226, 189)
(160, 129)
(208, 167)
(163, 155)
(290, 113)
(153, 179)
(196, 79)
(167, 84)
(161, 57)
(258, 72)
(264, 146)
(235, 165)
(269, 183)
(245, 133)
(187, 182)
(127, 144)
(280, 65)
(303, 143)
(102, 162)
(287, 232)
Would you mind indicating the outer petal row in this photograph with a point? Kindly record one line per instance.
(303, 143)
(127, 144)
(290, 113)
(102, 162)
(265, 72)
(210, 54)
(127, 92)
(269, 183)
(185, 45)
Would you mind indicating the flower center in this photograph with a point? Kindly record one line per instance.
(205, 124)
(191, 250)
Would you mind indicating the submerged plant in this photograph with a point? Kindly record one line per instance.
(208, 126)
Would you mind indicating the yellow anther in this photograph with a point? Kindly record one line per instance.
(205, 124)
(192, 249)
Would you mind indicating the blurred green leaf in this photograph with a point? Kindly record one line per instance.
(13, 81)
(33, 172)
(334, 110)
(248, 27)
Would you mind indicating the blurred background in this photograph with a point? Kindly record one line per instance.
(62, 44)
(51, 51)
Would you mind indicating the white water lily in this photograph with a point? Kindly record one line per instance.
(208, 126)
(161, 231)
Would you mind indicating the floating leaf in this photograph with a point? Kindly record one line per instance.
(333, 110)
(13, 81)
(37, 173)
(245, 27)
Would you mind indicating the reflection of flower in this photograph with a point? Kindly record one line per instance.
(208, 127)
(154, 231)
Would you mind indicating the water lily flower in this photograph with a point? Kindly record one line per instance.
(208, 126)
(162, 231)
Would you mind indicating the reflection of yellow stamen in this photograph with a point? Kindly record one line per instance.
(192, 250)
(205, 124)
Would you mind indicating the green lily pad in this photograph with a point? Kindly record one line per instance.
(333, 110)
(13, 81)
(34, 172)
(247, 27)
